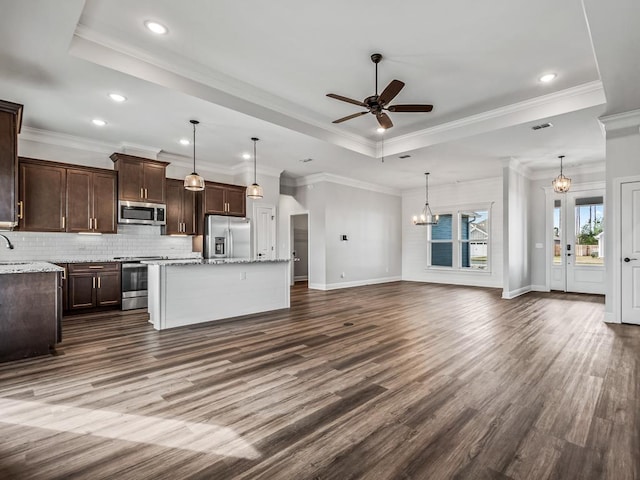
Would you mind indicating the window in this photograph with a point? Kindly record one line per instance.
(461, 240)
(557, 232)
(588, 241)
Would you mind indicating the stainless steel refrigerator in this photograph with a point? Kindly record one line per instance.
(227, 237)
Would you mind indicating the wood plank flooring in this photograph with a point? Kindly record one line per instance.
(395, 381)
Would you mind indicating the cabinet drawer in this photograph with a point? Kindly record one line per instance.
(93, 267)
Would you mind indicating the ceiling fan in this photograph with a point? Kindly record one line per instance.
(376, 104)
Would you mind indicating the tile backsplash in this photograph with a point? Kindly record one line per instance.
(130, 241)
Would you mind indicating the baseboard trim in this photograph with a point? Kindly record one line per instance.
(540, 288)
(516, 293)
(358, 283)
(300, 278)
(610, 318)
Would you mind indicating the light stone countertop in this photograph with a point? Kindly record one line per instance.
(28, 267)
(210, 261)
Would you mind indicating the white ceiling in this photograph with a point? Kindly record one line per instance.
(262, 69)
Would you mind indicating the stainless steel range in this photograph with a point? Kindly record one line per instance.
(134, 281)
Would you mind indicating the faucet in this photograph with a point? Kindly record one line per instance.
(9, 244)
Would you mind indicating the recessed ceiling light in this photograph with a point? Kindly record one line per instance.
(99, 122)
(116, 97)
(156, 27)
(184, 141)
(246, 156)
(381, 130)
(547, 77)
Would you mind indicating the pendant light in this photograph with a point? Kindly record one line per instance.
(426, 217)
(194, 182)
(561, 184)
(254, 190)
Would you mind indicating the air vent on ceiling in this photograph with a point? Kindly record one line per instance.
(541, 126)
(404, 156)
(306, 160)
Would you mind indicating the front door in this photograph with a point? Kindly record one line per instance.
(578, 242)
(630, 245)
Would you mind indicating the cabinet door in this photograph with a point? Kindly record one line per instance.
(79, 200)
(189, 212)
(214, 199)
(154, 183)
(108, 290)
(104, 200)
(236, 201)
(8, 161)
(130, 180)
(43, 197)
(175, 189)
(81, 288)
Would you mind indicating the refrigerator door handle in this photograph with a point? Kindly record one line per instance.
(230, 243)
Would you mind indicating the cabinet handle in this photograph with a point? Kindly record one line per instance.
(64, 274)
(99, 282)
(64, 222)
(93, 282)
(141, 192)
(20, 209)
(184, 228)
(95, 223)
(146, 193)
(90, 223)
(95, 267)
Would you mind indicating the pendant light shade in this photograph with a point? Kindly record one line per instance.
(426, 217)
(561, 184)
(254, 190)
(194, 182)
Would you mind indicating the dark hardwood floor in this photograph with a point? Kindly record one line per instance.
(393, 381)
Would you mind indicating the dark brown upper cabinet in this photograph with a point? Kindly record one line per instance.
(180, 209)
(91, 200)
(223, 199)
(42, 196)
(140, 179)
(10, 123)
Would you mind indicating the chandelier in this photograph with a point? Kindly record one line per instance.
(426, 217)
(561, 184)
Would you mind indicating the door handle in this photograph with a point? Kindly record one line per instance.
(627, 259)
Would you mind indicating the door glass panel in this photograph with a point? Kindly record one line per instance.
(557, 232)
(589, 237)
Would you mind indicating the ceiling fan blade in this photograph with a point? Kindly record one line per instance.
(348, 100)
(349, 117)
(390, 92)
(384, 121)
(410, 108)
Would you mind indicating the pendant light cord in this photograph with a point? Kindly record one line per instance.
(194, 148)
(255, 175)
(561, 157)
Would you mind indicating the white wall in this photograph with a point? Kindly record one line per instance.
(414, 238)
(517, 273)
(371, 221)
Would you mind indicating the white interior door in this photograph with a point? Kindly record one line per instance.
(265, 222)
(630, 249)
(578, 245)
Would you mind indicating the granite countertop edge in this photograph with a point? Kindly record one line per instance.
(29, 267)
(212, 261)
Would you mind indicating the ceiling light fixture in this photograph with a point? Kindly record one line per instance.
(156, 27)
(254, 190)
(98, 122)
(547, 77)
(426, 217)
(194, 182)
(116, 97)
(561, 184)
(185, 141)
(381, 130)
(246, 156)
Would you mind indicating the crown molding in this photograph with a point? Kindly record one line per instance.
(551, 173)
(518, 166)
(141, 150)
(247, 167)
(349, 182)
(64, 140)
(620, 121)
(568, 100)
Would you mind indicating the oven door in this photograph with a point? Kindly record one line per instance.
(134, 280)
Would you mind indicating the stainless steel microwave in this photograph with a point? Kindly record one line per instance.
(142, 213)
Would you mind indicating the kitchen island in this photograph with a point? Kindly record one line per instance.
(186, 292)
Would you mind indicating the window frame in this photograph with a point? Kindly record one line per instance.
(456, 241)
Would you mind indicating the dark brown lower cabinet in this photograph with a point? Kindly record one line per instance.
(93, 285)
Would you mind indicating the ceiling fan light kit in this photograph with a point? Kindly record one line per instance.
(377, 104)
